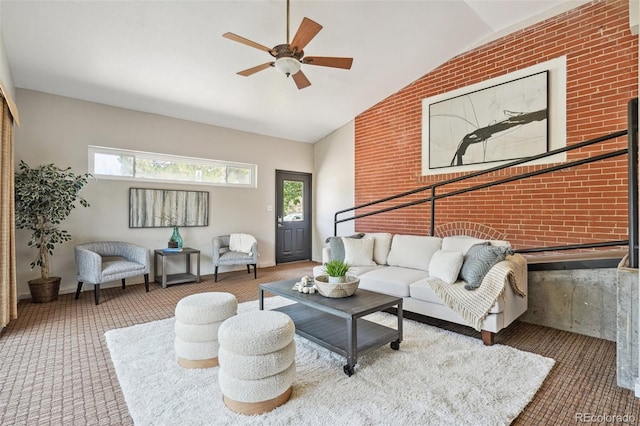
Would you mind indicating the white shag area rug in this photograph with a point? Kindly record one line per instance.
(437, 377)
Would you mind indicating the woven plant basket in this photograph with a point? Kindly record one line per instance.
(44, 290)
(345, 289)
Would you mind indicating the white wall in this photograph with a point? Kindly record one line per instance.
(5, 72)
(57, 130)
(334, 183)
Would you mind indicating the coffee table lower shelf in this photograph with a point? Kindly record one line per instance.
(330, 331)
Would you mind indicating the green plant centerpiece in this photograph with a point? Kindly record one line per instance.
(336, 283)
(336, 270)
(44, 198)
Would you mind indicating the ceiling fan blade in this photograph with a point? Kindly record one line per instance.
(301, 80)
(307, 30)
(234, 37)
(254, 70)
(325, 61)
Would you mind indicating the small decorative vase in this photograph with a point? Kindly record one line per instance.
(176, 239)
(336, 280)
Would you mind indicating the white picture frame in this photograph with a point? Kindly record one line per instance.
(550, 134)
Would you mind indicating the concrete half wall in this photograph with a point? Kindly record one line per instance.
(627, 322)
(581, 301)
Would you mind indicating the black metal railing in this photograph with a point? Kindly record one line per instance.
(631, 150)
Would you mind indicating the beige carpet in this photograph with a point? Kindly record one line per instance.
(56, 369)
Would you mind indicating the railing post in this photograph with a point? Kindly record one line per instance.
(632, 135)
(433, 210)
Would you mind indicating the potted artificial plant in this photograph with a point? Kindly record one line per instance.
(44, 197)
(336, 270)
(336, 283)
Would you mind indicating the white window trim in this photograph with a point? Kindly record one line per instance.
(92, 150)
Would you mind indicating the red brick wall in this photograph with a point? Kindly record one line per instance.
(578, 205)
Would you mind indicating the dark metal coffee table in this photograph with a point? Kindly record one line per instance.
(336, 324)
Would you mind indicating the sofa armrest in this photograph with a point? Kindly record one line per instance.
(89, 265)
(254, 252)
(218, 244)
(511, 272)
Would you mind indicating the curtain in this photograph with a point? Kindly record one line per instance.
(8, 290)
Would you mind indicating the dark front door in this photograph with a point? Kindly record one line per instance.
(293, 216)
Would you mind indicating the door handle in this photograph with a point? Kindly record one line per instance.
(279, 225)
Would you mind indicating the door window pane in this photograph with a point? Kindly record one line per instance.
(293, 196)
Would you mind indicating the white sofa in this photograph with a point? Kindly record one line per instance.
(400, 266)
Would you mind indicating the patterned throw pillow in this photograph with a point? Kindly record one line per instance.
(478, 260)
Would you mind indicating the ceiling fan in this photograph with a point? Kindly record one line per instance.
(290, 56)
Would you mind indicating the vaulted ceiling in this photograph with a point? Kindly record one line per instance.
(169, 57)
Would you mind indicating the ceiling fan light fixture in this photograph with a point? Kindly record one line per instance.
(289, 57)
(288, 65)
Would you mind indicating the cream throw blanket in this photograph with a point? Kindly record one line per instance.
(474, 305)
(241, 242)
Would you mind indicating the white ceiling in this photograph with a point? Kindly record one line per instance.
(169, 57)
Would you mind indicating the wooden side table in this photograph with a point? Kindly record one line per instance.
(164, 279)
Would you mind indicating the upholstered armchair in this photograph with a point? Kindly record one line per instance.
(223, 255)
(105, 261)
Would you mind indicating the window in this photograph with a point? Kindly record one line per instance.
(111, 163)
(293, 200)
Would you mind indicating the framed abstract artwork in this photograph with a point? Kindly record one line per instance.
(158, 208)
(500, 122)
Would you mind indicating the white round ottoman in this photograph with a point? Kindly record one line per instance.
(257, 357)
(198, 318)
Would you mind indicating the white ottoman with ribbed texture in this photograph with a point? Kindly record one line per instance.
(198, 318)
(257, 361)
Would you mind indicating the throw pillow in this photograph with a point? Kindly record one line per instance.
(479, 259)
(446, 265)
(381, 246)
(336, 247)
(413, 251)
(358, 252)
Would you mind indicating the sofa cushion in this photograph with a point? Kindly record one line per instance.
(391, 280)
(336, 246)
(478, 261)
(413, 251)
(420, 290)
(446, 265)
(358, 252)
(381, 246)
